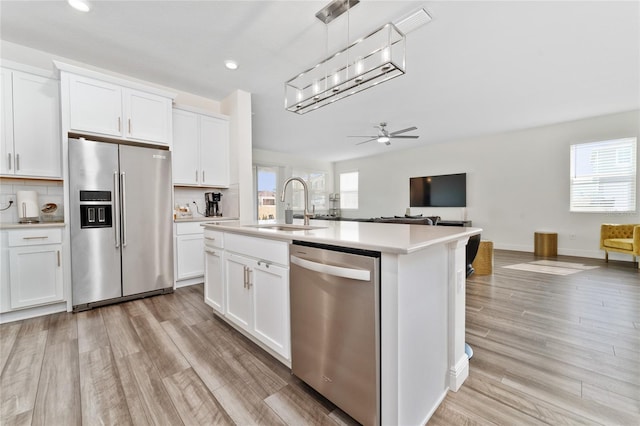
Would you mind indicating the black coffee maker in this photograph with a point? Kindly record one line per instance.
(211, 200)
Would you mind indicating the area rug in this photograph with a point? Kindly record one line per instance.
(551, 267)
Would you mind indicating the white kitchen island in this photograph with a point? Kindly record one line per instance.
(422, 305)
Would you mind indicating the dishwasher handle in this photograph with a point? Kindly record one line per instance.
(338, 271)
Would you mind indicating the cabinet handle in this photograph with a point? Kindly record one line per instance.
(211, 252)
(116, 227)
(58, 254)
(245, 276)
(249, 283)
(123, 207)
(9, 155)
(267, 264)
(119, 126)
(36, 238)
(129, 126)
(17, 161)
(196, 176)
(209, 238)
(203, 180)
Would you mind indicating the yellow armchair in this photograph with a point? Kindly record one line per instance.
(621, 239)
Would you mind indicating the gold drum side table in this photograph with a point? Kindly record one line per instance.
(545, 244)
(483, 263)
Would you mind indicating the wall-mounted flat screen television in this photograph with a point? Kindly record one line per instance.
(438, 191)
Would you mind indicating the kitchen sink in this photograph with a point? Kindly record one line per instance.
(281, 227)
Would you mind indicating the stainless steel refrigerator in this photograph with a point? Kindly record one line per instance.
(121, 222)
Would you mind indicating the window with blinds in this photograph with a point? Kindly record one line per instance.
(603, 176)
(349, 190)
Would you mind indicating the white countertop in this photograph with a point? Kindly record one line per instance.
(15, 225)
(203, 219)
(383, 237)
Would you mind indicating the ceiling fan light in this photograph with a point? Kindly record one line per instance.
(230, 64)
(81, 5)
(383, 139)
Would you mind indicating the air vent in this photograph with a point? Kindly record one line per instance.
(413, 21)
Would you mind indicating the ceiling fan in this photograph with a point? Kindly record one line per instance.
(384, 136)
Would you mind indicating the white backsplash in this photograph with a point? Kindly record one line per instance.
(185, 196)
(48, 192)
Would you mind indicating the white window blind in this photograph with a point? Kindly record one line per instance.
(349, 190)
(603, 176)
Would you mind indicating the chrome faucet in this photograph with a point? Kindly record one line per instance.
(307, 215)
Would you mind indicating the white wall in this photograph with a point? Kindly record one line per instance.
(238, 107)
(517, 183)
(44, 60)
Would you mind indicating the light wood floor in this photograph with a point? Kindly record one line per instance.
(547, 350)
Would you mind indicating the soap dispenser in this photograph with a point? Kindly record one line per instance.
(288, 215)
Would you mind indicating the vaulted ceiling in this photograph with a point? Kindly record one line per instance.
(477, 68)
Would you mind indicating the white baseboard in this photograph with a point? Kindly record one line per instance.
(593, 254)
(459, 373)
(189, 281)
(32, 312)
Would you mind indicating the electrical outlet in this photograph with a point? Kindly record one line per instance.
(12, 198)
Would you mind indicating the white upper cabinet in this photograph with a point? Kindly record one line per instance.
(109, 108)
(148, 116)
(214, 151)
(186, 148)
(6, 125)
(200, 149)
(95, 106)
(31, 144)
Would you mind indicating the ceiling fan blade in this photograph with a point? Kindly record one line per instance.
(362, 136)
(360, 143)
(404, 137)
(408, 129)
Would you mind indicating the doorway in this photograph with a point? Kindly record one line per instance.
(266, 192)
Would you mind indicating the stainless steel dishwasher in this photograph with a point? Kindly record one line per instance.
(335, 332)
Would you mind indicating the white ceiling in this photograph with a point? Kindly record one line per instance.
(477, 68)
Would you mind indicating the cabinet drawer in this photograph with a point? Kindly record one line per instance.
(33, 237)
(259, 248)
(185, 228)
(213, 238)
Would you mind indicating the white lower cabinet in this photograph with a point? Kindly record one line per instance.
(238, 293)
(248, 283)
(214, 279)
(270, 286)
(36, 275)
(189, 264)
(214, 274)
(35, 269)
(190, 260)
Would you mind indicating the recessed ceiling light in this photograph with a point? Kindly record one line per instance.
(81, 5)
(231, 64)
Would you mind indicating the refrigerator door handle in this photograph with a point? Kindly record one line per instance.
(116, 200)
(123, 191)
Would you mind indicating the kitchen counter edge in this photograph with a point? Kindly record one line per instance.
(203, 219)
(12, 225)
(315, 236)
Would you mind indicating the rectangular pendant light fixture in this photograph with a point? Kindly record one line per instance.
(373, 59)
